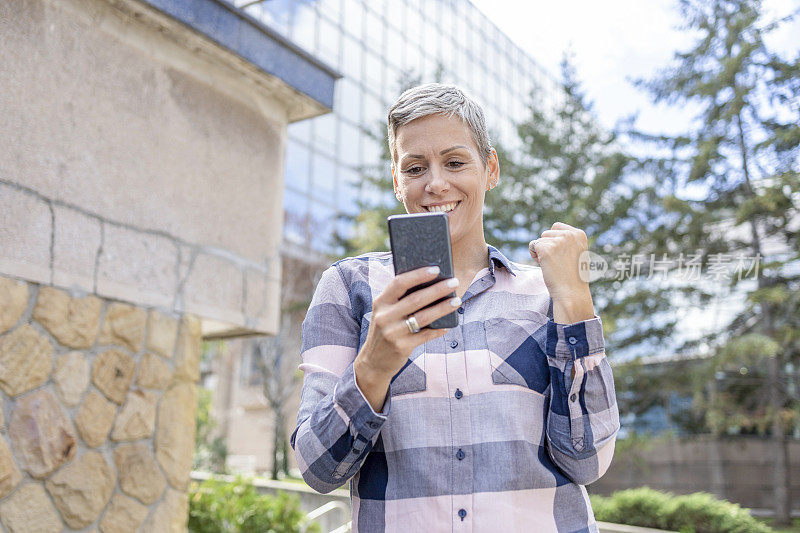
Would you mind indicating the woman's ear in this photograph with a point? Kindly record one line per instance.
(493, 170)
(396, 187)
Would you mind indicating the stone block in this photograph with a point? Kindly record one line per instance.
(9, 473)
(153, 372)
(76, 241)
(137, 418)
(171, 514)
(71, 377)
(112, 373)
(14, 295)
(161, 333)
(94, 419)
(139, 267)
(74, 322)
(204, 293)
(41, 433)
(190, 344)
(26, 359)
(256, 294)
(29, 509)
(25, 230)
(174, 441)
(123, 325)
(139, 475)
(82, 489)
(123, 515)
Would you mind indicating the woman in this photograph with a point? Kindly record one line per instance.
(494, 425)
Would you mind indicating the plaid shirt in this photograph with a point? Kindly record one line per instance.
(483, 429)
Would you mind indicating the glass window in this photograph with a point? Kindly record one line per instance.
(323, 183)
(297, 170)
(300, 130)
(395, 11)
(353, 19)
(352, 52)
(371, 150)
(374, 28)
(349, 97)
(295, 215)
(394, 47)
(322, 221)
(413, 57)
(374, 110)
(430, 40)
(325, 133)
(276, 14)
(349, 143)
(331, 9)
(329, 43)
(349, 190)
(373, 71)
(304, 30)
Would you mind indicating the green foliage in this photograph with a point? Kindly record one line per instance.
(210, 451)
(693, 513)
(237, 507)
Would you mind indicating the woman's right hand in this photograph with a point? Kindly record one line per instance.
(389, 342)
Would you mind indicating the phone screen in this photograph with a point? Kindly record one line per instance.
(419, 240)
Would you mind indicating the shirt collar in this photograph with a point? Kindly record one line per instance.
(497, 255)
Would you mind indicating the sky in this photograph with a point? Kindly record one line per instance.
(612, 41)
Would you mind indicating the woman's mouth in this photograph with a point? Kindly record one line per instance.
(443, 208)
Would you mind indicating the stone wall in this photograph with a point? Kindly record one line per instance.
(97, 412)
(738, 469)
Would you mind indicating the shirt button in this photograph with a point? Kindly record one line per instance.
(573, 340)
(458, 394)
(573, 397)
(453, 344)
(462, 513)
(373, 425)
(460, 454)
(461, 310)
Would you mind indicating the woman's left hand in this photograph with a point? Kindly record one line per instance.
(558, 252)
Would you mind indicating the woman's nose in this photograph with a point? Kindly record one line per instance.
(437, 183)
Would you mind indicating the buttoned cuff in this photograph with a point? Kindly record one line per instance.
(362, 416)
(575, 340)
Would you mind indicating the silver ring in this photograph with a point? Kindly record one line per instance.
(413, 325)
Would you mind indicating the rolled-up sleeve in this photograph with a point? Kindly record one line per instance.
(336, 426)
(583, 417)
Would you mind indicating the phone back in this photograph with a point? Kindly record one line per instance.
(423, 239)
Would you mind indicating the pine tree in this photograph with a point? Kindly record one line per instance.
(731, 186)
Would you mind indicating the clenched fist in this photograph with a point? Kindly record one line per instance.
(557, 252)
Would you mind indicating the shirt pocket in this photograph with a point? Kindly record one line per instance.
(516, 343)
(412, 377)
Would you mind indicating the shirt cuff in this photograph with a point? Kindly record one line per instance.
(575, 340)
(362, 416)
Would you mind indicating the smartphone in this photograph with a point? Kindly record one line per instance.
(419, 240)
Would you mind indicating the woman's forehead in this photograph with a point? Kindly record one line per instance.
(434, 133)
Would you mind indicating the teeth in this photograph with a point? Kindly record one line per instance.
(442, 208)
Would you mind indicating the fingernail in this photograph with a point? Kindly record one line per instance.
(433, 270)
(452, 282)
(455, 302)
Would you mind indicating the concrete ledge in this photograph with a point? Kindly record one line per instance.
(243, 35)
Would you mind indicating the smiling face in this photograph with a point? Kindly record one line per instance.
(438, 168)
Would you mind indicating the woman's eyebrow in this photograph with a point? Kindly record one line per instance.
(446, 150)
(453, 148)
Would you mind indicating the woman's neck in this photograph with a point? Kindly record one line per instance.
(469, 259)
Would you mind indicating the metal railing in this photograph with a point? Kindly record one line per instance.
(326, 508)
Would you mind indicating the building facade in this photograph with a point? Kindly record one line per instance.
(373, 44)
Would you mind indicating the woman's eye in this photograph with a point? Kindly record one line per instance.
(455, 164)
(413, 170)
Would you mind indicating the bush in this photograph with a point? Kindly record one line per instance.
(216, 506)
(693, 513)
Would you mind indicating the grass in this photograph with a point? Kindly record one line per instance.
(794, 528)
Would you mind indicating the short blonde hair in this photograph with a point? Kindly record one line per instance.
(439, 99)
